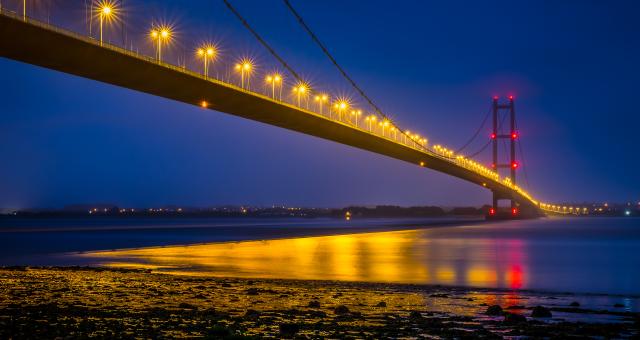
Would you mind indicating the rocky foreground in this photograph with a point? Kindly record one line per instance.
(110, 303)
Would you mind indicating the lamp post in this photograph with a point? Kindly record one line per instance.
(384, 125)
(321, 99)
(341, 105)
(207, 52)
(274, 79)
(159, 34)
(106, 10)
(324, 99)
(244, 67)
(300, 90)
(279, 80)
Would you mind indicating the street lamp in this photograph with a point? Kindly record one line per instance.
(274, 79)
(384, 124)
(160, 34)
(341, 105)
(278, 79)
(106, 10)
(207, 52)
(245, 66)
(321, 99)
(372, 120)
(300, 90)
(356, 116)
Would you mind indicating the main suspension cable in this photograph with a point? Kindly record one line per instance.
(480, 151)
(262, 41)
(315, 38)
(524, 162)
(484, 147)
(484, 121)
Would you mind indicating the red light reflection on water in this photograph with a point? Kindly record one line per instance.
(514, 277)
(516, 257)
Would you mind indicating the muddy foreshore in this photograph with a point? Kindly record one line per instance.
(74, 302)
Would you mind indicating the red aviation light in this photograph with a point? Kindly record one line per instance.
(493, 165)
(510, 97)
(514, 135)
(492, 211)
(514, 165)
(493, 136)
(514, 211)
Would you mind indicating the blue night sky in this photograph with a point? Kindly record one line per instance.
(434, 65)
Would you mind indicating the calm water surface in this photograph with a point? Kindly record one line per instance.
(594, 255)
(587, 255)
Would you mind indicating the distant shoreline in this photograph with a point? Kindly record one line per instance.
(378, 211)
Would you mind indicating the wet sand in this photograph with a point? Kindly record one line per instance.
(50, 302)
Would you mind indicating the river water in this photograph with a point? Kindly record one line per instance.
(580, 255)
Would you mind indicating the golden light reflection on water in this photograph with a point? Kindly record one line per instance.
(400, 256)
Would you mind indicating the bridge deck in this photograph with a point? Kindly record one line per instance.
(47, 46)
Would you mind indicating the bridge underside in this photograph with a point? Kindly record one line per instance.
(40, 45)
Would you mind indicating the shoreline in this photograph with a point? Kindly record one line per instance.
(39, 301)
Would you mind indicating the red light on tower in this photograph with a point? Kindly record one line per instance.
(511, 97)
(493, 136)
(514, 165)
(514, 135)
(493, 165)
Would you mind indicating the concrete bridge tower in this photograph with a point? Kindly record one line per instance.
(498, 133)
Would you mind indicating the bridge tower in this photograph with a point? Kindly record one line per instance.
(498, 134)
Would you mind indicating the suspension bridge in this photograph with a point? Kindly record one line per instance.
(317, 114)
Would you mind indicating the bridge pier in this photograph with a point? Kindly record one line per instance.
(515, 211)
